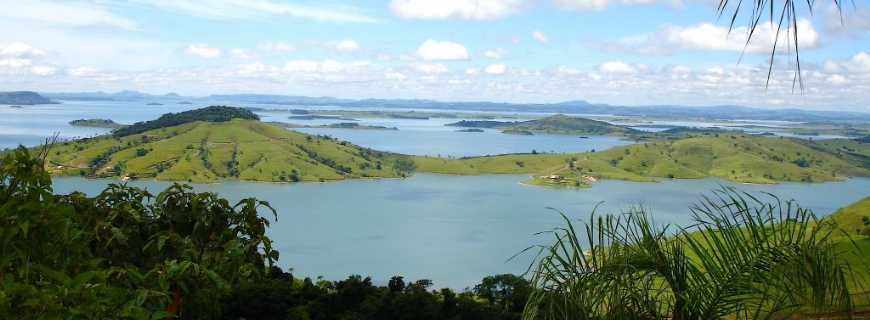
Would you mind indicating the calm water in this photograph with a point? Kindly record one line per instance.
(453, 230)
(31, 125)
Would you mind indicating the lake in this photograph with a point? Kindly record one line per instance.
(454, 229)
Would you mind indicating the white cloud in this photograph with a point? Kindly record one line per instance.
(456, 9)
(322, 66)
(279, 47)
(203, 50)
(836, 79)
(602, 4)
(432, 68)
(258, 9)
(707, 36)
(82, 71)
(18, 49)
(64, 14)
(540, 37)
(346, 45)
(497, 53)
(617, 67)
(43, 70)
(495, 69)
(240, 53)
(858, 63)
(442, 50)
(472, 71)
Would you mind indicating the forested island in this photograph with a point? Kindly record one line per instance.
(556, 124)
(209, 144)
(96, 123)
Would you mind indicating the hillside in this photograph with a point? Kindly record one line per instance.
(209, 151)
(556, 124)
(740, 158)
(209, 114)
(23, 98)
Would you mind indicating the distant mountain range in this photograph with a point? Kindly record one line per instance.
(23, 98)
(724, 112)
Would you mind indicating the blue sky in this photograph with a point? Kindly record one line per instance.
(632, 52)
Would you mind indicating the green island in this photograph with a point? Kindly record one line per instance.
(340, 125)
(397, 114)
(206, 145)
(214, 143)
(96, 123)
(556, 124)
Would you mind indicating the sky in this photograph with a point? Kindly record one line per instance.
(623, 52)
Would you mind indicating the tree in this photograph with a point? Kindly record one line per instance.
(784, 19)
(123, 253)
(747, 257)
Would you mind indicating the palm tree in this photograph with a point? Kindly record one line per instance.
(746, 257)
(782, 17)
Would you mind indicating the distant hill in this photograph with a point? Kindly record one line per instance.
(208, 114)
(577, 106)
(23, 98)
(242, 149)
(724, 112)
(557, 124)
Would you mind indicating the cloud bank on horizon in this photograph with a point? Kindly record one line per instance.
(629, 52)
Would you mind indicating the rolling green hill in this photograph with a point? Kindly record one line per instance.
(208, 151)
(557, 124)
(740, 158)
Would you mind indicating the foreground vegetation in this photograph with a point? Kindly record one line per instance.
(734, 157)
(128, 254)
(746, 257)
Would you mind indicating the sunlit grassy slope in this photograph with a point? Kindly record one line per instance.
(735, 157)
(208, 151)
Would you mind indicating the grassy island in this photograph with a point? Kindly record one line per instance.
(735, 157)
(220, 147)
(557, 124)
(209, 144)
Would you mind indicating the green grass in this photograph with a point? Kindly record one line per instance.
(734, 157)
(209, 151)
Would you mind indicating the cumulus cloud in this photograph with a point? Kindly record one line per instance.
(19, 49)
(497, 53)
(707, 36)
(279, 47)
(323, 66)
(495, 69)
(442, 50)
(858, 63)
(617, 67)
(455, 9)
(240, 53)
(203, 50)
(257, 10)
(17, 58)
(540, 37)
(346, 45)
(431, 68)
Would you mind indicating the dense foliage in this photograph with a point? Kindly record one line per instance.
(281, 296)
(208, 114)
(123, 253)
(126, 254)
(747, 257)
